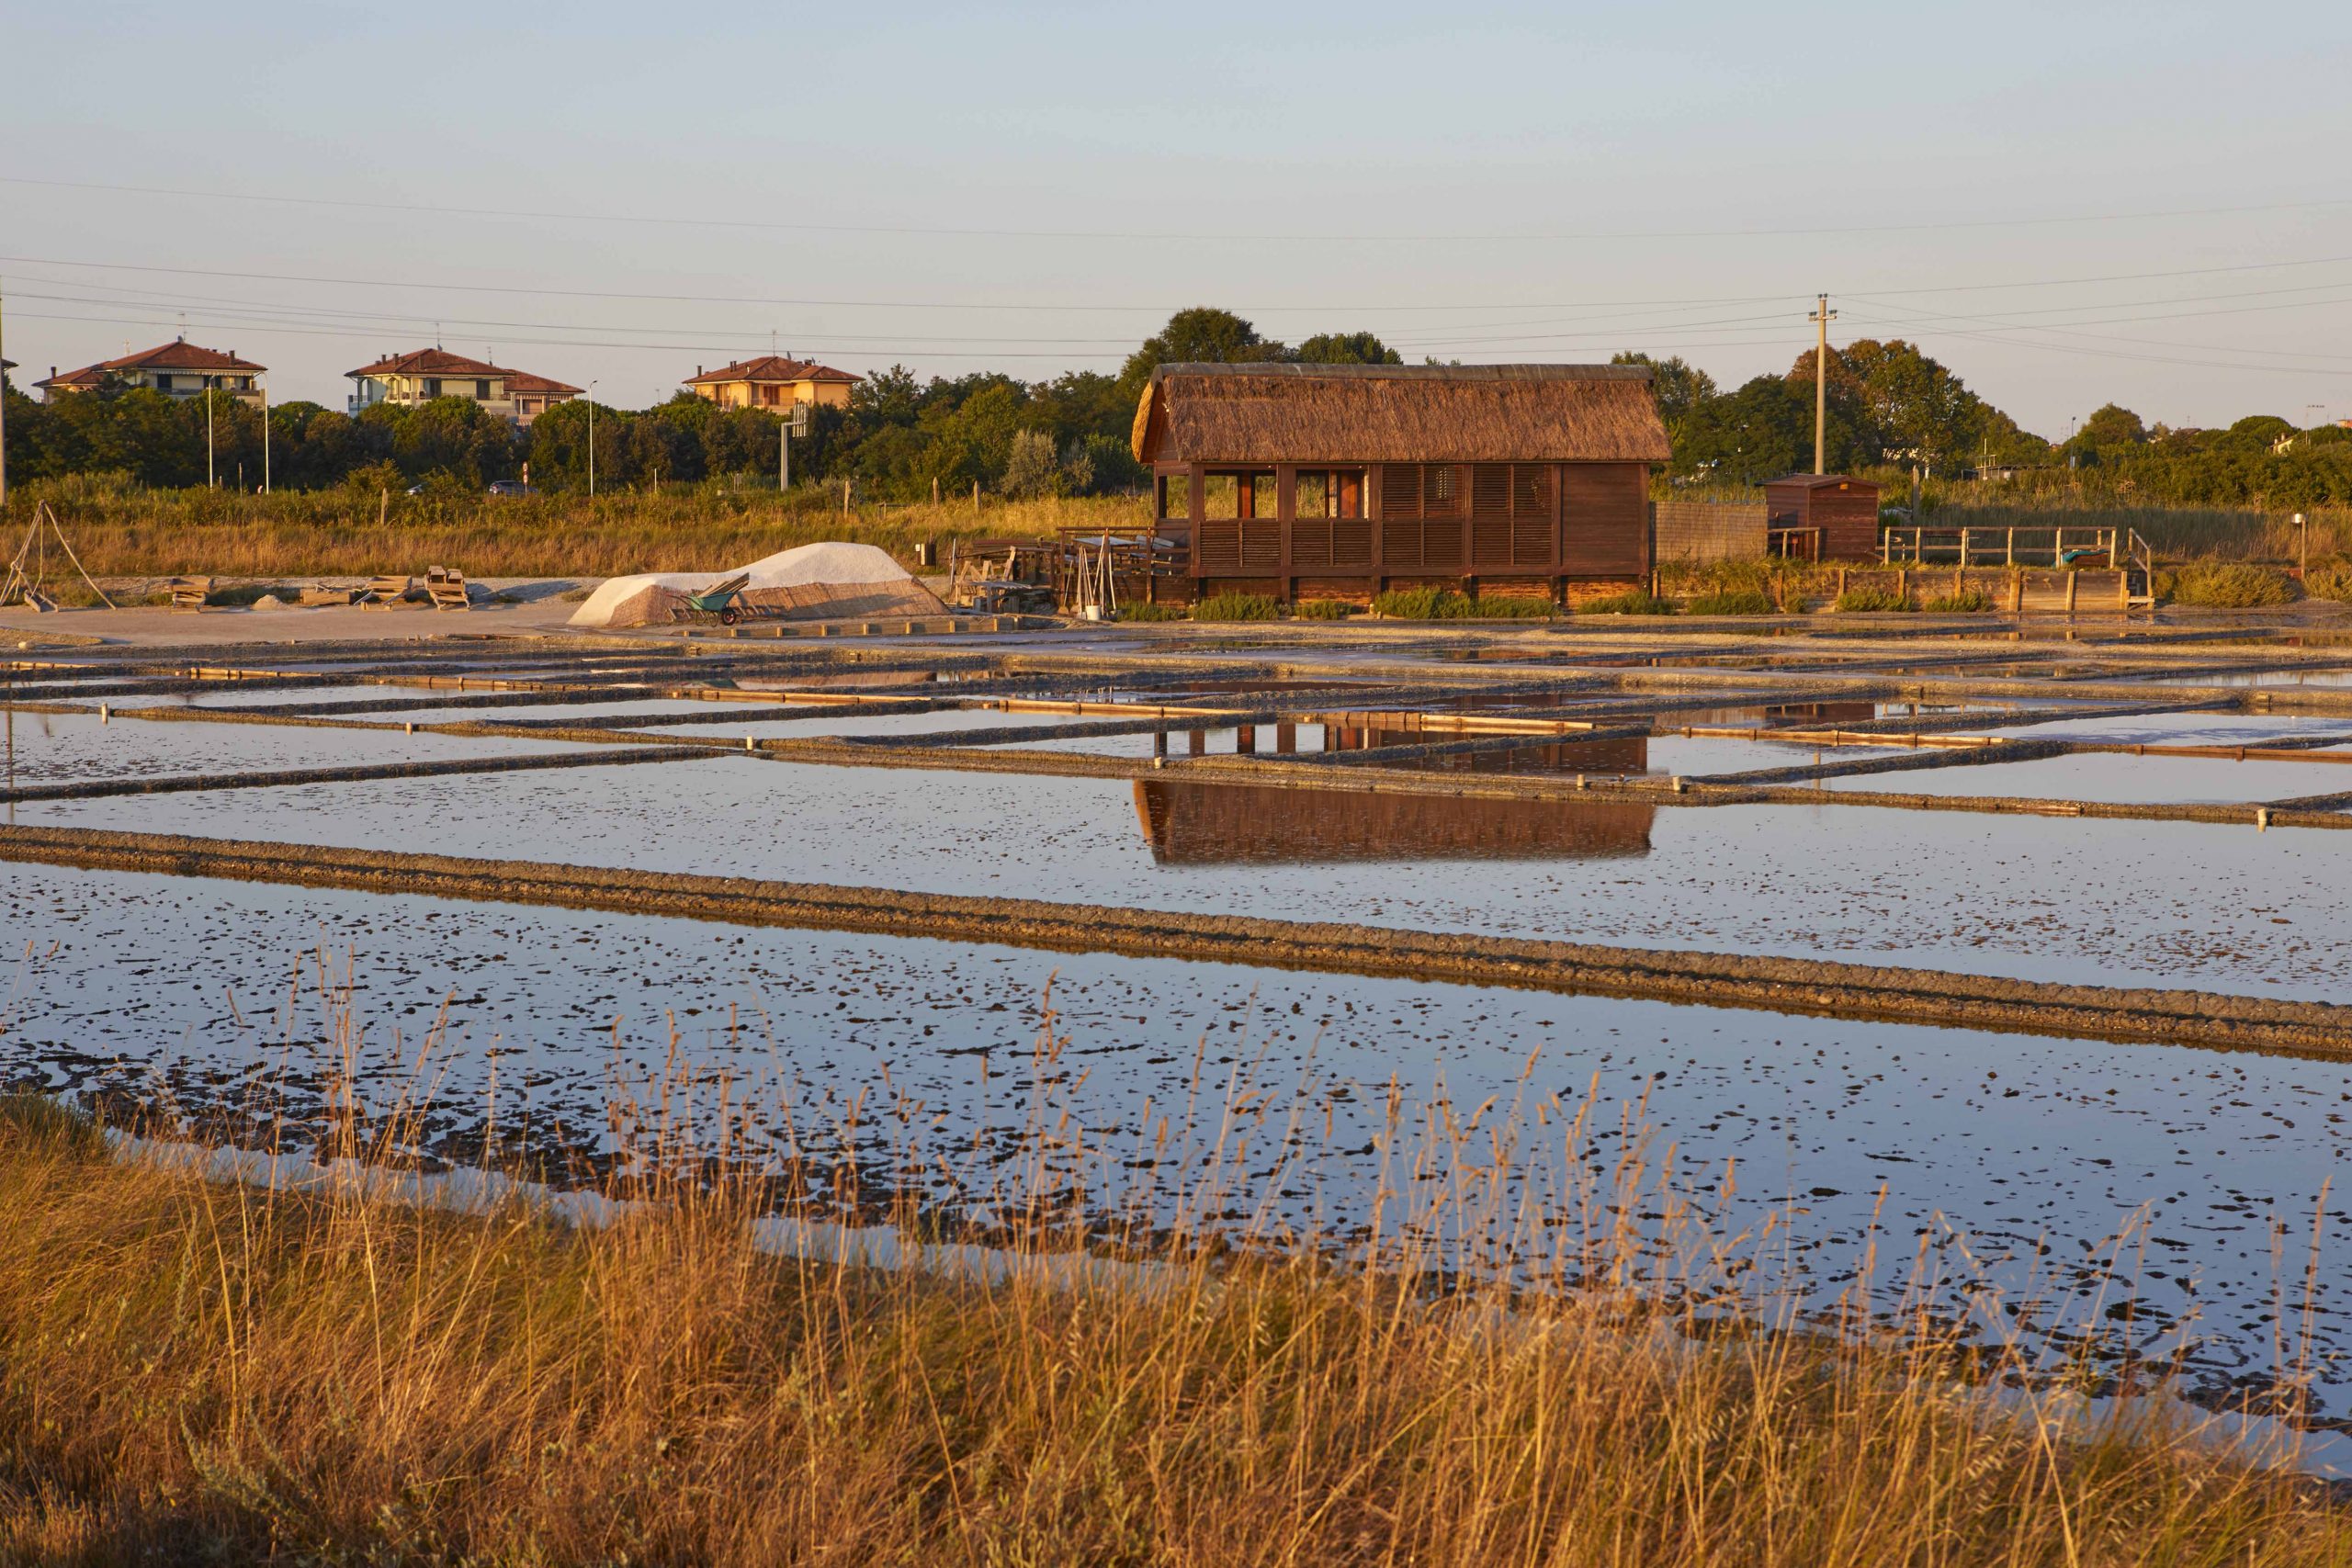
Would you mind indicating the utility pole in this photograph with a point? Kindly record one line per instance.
(4, 429)
(264, 441)
(1822, 316)
(783, 455)
(211, 481)
(591, 440)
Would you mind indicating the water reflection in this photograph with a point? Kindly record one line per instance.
(1218, 824)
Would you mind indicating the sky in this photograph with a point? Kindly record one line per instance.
(2067, 203)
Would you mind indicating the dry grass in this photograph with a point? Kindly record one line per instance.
(122, 531)
(2175, 532)
(200, 1369)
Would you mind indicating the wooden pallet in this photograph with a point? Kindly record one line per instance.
(445, 586)
(190, 593)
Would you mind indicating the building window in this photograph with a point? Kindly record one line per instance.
(481, 391)
(432, 386)
(162, 383)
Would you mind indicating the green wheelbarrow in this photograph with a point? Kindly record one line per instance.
(721, 601)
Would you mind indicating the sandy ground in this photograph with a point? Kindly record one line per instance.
(541, 608)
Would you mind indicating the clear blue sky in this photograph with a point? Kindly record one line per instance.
(881, 183)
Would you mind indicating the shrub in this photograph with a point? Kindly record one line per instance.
(1968, 602)
(1323, 610)
(1409, 604)
(2329, 579)
(2229, 585)
(1153, 613)
(1446, 604)
(1632, 601)
(1855, 600)
(1237, 607)
(1730, 602)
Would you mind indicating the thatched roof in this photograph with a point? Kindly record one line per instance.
(1398, 413)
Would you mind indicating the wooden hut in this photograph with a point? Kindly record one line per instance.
(1823, 516)
(1341, 480)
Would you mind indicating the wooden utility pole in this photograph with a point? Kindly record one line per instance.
(4, 445)
(1822, 316)
(264, 441)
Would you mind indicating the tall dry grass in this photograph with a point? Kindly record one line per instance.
(334, 1362)
(121, 530)
(2175, 532)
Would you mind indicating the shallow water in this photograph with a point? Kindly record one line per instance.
(2109, 777)
(2017, 1156)
(2121, 902)
(52, 748)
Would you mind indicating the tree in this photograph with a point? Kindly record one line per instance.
(1033, 469)
(2111, 426)
(1747, 437)
(1678, 388)
(1346, 348)
(1200, 336)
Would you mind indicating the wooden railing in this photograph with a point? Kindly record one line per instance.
(2118, 549)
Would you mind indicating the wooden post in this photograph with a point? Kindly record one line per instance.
(934, 489)
(2070, 593)
(976, 497)
(1841, 582)
(1903, 583)
(1963, 546)
(383, 504)
(2017, 591)
(2009, 557)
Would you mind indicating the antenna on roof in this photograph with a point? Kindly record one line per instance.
(437, 334)
(771, 343)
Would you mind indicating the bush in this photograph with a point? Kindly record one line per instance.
(1968, 602)
(2229, 585)
(1154, 613)
(1857, 600)
(1730, 602)
(1237, 607)
(1446, 604)
(1632, 601)
(1409, 604)
(2329, 579)
(1323, 609)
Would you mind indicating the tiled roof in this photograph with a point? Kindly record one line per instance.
(179, 354)
(769, 368)
(427, 362)
(88, 375)
(522, 381)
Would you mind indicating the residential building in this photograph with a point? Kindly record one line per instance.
(422, 375)
(176, 369)
(772, 381)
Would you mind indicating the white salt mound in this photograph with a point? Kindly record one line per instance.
(830, 562)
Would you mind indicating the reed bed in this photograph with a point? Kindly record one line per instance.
(2175, 532)
(124, 531)
(727, 1337)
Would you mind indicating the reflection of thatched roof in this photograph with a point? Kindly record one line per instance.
(1219, 824)
(1388, 413)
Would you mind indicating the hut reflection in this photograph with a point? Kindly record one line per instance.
(1221, 824)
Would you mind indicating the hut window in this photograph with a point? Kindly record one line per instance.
(1312, 496)
(1441, 491)
(1220, 498)
(1175, 495)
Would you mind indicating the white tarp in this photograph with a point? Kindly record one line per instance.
(806, 565)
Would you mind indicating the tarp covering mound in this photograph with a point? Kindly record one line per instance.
(812, 583)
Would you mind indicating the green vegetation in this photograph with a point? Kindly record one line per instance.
(1968, 602)
(1237, 607)
(1428, 604)
(2229, 585)
(1861, 600)
(1632, 601)
(1155, 613)
(1323, 609)
(203, 1372)
(2329, 579)
(1730, 602)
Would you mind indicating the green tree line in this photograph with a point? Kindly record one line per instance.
(1890, 405)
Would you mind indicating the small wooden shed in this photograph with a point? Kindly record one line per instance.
(1823, 516)
(1340, 480)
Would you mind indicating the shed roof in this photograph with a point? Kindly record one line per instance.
(1820, 481)
(1398, 413)
(768, 367)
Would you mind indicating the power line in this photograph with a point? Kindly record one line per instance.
(1165, 236)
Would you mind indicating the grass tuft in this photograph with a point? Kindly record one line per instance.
(1865, 600)
(2229, 585)
(1730, 602)
(1968, 602)
(1632, 601)
(1237, 607)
